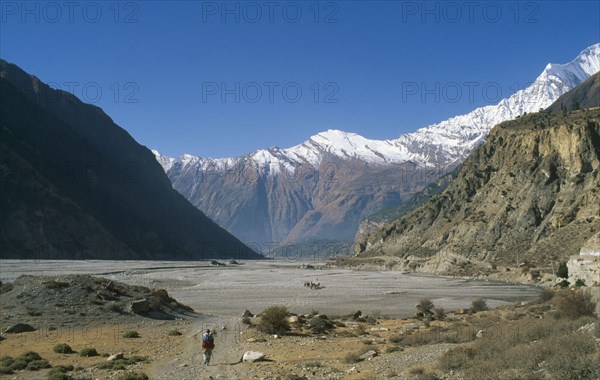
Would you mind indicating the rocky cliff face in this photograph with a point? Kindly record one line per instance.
(528, 196)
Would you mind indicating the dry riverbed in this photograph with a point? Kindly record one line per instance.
(219, 295)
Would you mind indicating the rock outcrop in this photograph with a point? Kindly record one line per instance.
(528, 197)
(586, 266)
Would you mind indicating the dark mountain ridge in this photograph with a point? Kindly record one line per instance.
(76, 185)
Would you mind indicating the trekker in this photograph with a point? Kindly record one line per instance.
(208, 345)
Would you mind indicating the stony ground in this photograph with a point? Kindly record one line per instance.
(86, 311)
(168, 343)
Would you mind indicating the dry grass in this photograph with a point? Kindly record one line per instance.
(420, 338)
(530, 348)
(574, 304)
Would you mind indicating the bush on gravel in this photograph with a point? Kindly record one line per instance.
(133, 376)
(274, 320)
(63, 348)
(88, 352)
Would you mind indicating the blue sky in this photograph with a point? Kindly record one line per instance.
(219, 80)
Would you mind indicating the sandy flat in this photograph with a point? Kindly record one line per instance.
(256, 285)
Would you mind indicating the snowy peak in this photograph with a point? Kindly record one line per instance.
(579, 69)
(455, 138)
(164, 161)
(349, 146)
(435, 145)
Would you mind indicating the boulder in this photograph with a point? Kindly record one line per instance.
(19, 328)
(247, 314)
(293, 319)
(368, 355)
(479, 333)
(379, 329)
(115, 357)
(140, 306)
(252, 356)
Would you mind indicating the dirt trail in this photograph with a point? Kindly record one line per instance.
(188, 364)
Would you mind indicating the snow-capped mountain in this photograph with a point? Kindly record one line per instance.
(433, 145)
(280, 195)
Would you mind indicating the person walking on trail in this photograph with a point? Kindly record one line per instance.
(208, 345)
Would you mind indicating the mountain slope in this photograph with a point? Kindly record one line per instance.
(324, 187)
(529, 194)
(382, 217)
(75, 185)
(586, 95)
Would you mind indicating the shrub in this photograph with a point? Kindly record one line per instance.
(417, 370)
(274, 320)
(574, 304)
(352, 357)
(579, 283)
(18, 364)
(36, 365)
(62, 368)
(58, 376)
(479, 305)
(439, 313)
(33, 312)
(138, 358)
(361, 330)
(55, 285)
(62, 348)
(247, 321)
(6, 371)
(88, 352)
(320, 325)
(121, 364)
(133, 376)
(131, 334)
(562, 271)
(546, 295)
(424, 306)
(174, 333)
(6, 360)
(21, 362)
(313, 365)
(457, 358)
(6, 287)
(30, 356)
(564, 284)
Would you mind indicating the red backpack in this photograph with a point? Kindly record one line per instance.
(208, 341)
